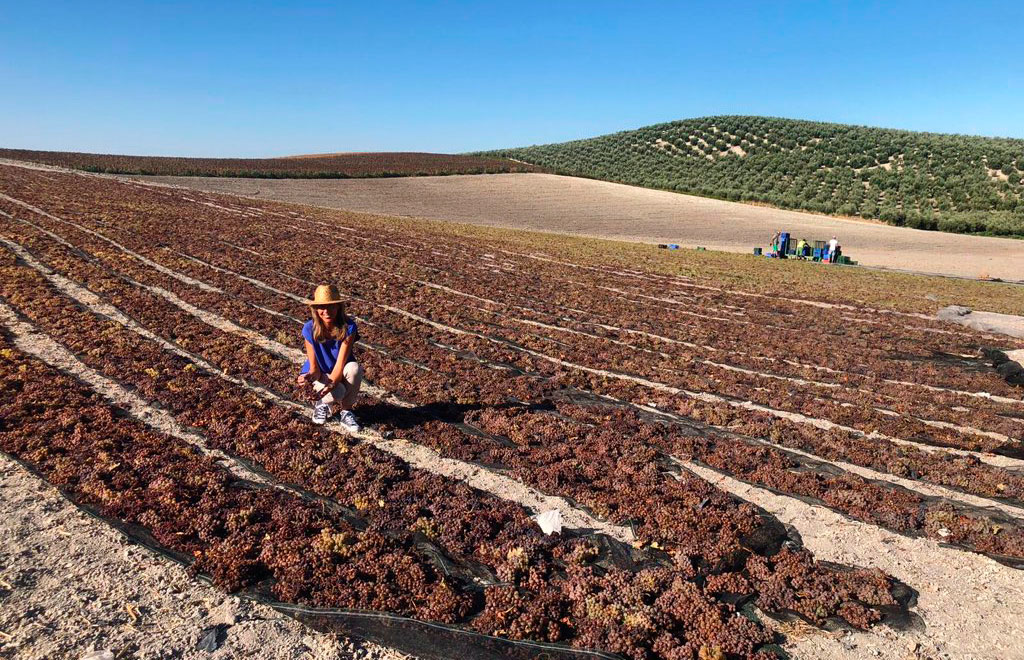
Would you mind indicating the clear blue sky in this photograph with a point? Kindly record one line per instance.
(261, 79)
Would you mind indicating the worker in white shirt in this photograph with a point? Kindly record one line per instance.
(832, 245)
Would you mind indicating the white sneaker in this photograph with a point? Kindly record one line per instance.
(321, 411)
(348, 421)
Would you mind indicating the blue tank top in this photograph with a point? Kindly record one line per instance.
(327, 352)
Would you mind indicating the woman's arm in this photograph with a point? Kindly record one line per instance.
(314, 368)
(339, 366)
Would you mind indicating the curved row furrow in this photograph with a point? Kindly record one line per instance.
(896, 395)
(296, 297)
(884, 421)
(968, 429)
(661, 280)
(933, 530)
(331, 564)
(495, 484)
(693, 536)
(239, 534)
(322, 224)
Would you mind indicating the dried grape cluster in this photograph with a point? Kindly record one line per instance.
(508, 395)
(237, 533)
(906, 516)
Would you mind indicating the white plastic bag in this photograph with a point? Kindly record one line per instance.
(550, 521)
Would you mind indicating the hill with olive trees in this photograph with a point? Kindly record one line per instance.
(956, 183)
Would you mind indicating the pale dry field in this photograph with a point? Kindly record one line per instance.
(570, 205)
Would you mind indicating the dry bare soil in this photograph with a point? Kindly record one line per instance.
(546, 202)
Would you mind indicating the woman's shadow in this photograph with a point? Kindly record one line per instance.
(393, 417)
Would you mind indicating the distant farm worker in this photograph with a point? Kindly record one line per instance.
(833, 245)
(331, 366)
(775, 241)
(801, 248)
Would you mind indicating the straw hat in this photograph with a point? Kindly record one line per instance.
(325, 294)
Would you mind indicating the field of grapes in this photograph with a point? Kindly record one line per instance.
(741, 473)
(320, 166)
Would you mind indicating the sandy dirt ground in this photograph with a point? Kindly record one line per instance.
(73, 587)
(546, 202)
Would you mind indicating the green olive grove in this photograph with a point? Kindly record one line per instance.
(956, 183)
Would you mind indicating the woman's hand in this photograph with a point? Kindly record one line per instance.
(306, 378)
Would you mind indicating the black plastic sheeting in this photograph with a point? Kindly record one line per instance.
(429, 641)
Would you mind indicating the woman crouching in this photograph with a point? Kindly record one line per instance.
(330, 361)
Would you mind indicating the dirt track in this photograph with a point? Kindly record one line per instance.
(595, 208)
